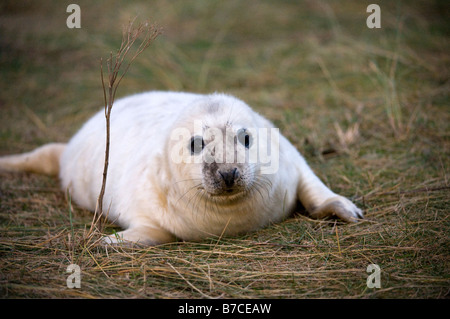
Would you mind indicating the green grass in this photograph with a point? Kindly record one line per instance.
(311, 67)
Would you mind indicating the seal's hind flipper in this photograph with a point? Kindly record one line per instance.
(43, 160)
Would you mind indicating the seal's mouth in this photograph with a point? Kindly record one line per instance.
(229, 193)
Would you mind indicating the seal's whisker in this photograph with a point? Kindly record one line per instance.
(189, 190)
(187, 180)
(264, 180)
(257, 189)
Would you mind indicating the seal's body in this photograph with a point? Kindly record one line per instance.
(181, 166)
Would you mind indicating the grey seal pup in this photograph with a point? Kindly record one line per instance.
(186, 166)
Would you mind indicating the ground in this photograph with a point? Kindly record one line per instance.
(368, 108)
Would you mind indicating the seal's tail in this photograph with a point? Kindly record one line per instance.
(43, 160)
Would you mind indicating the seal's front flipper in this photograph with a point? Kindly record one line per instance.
(141, 235)
(340, 207)
(320, 201)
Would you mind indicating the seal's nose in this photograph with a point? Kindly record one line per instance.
(229, 176)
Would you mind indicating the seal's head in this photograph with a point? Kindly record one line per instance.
(223, 174)
(213, 149)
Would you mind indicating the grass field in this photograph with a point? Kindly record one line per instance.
(368, 108)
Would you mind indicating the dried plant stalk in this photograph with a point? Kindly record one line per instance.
(114, 63)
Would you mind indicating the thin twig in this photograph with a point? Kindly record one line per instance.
(114, 63)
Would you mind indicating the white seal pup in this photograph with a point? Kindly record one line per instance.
(185, 166)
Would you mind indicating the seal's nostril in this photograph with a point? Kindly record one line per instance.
(229, 176)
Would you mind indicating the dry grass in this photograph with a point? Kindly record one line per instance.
(368, 108)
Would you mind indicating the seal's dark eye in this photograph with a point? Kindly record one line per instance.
(244, 138)
(197, 144)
